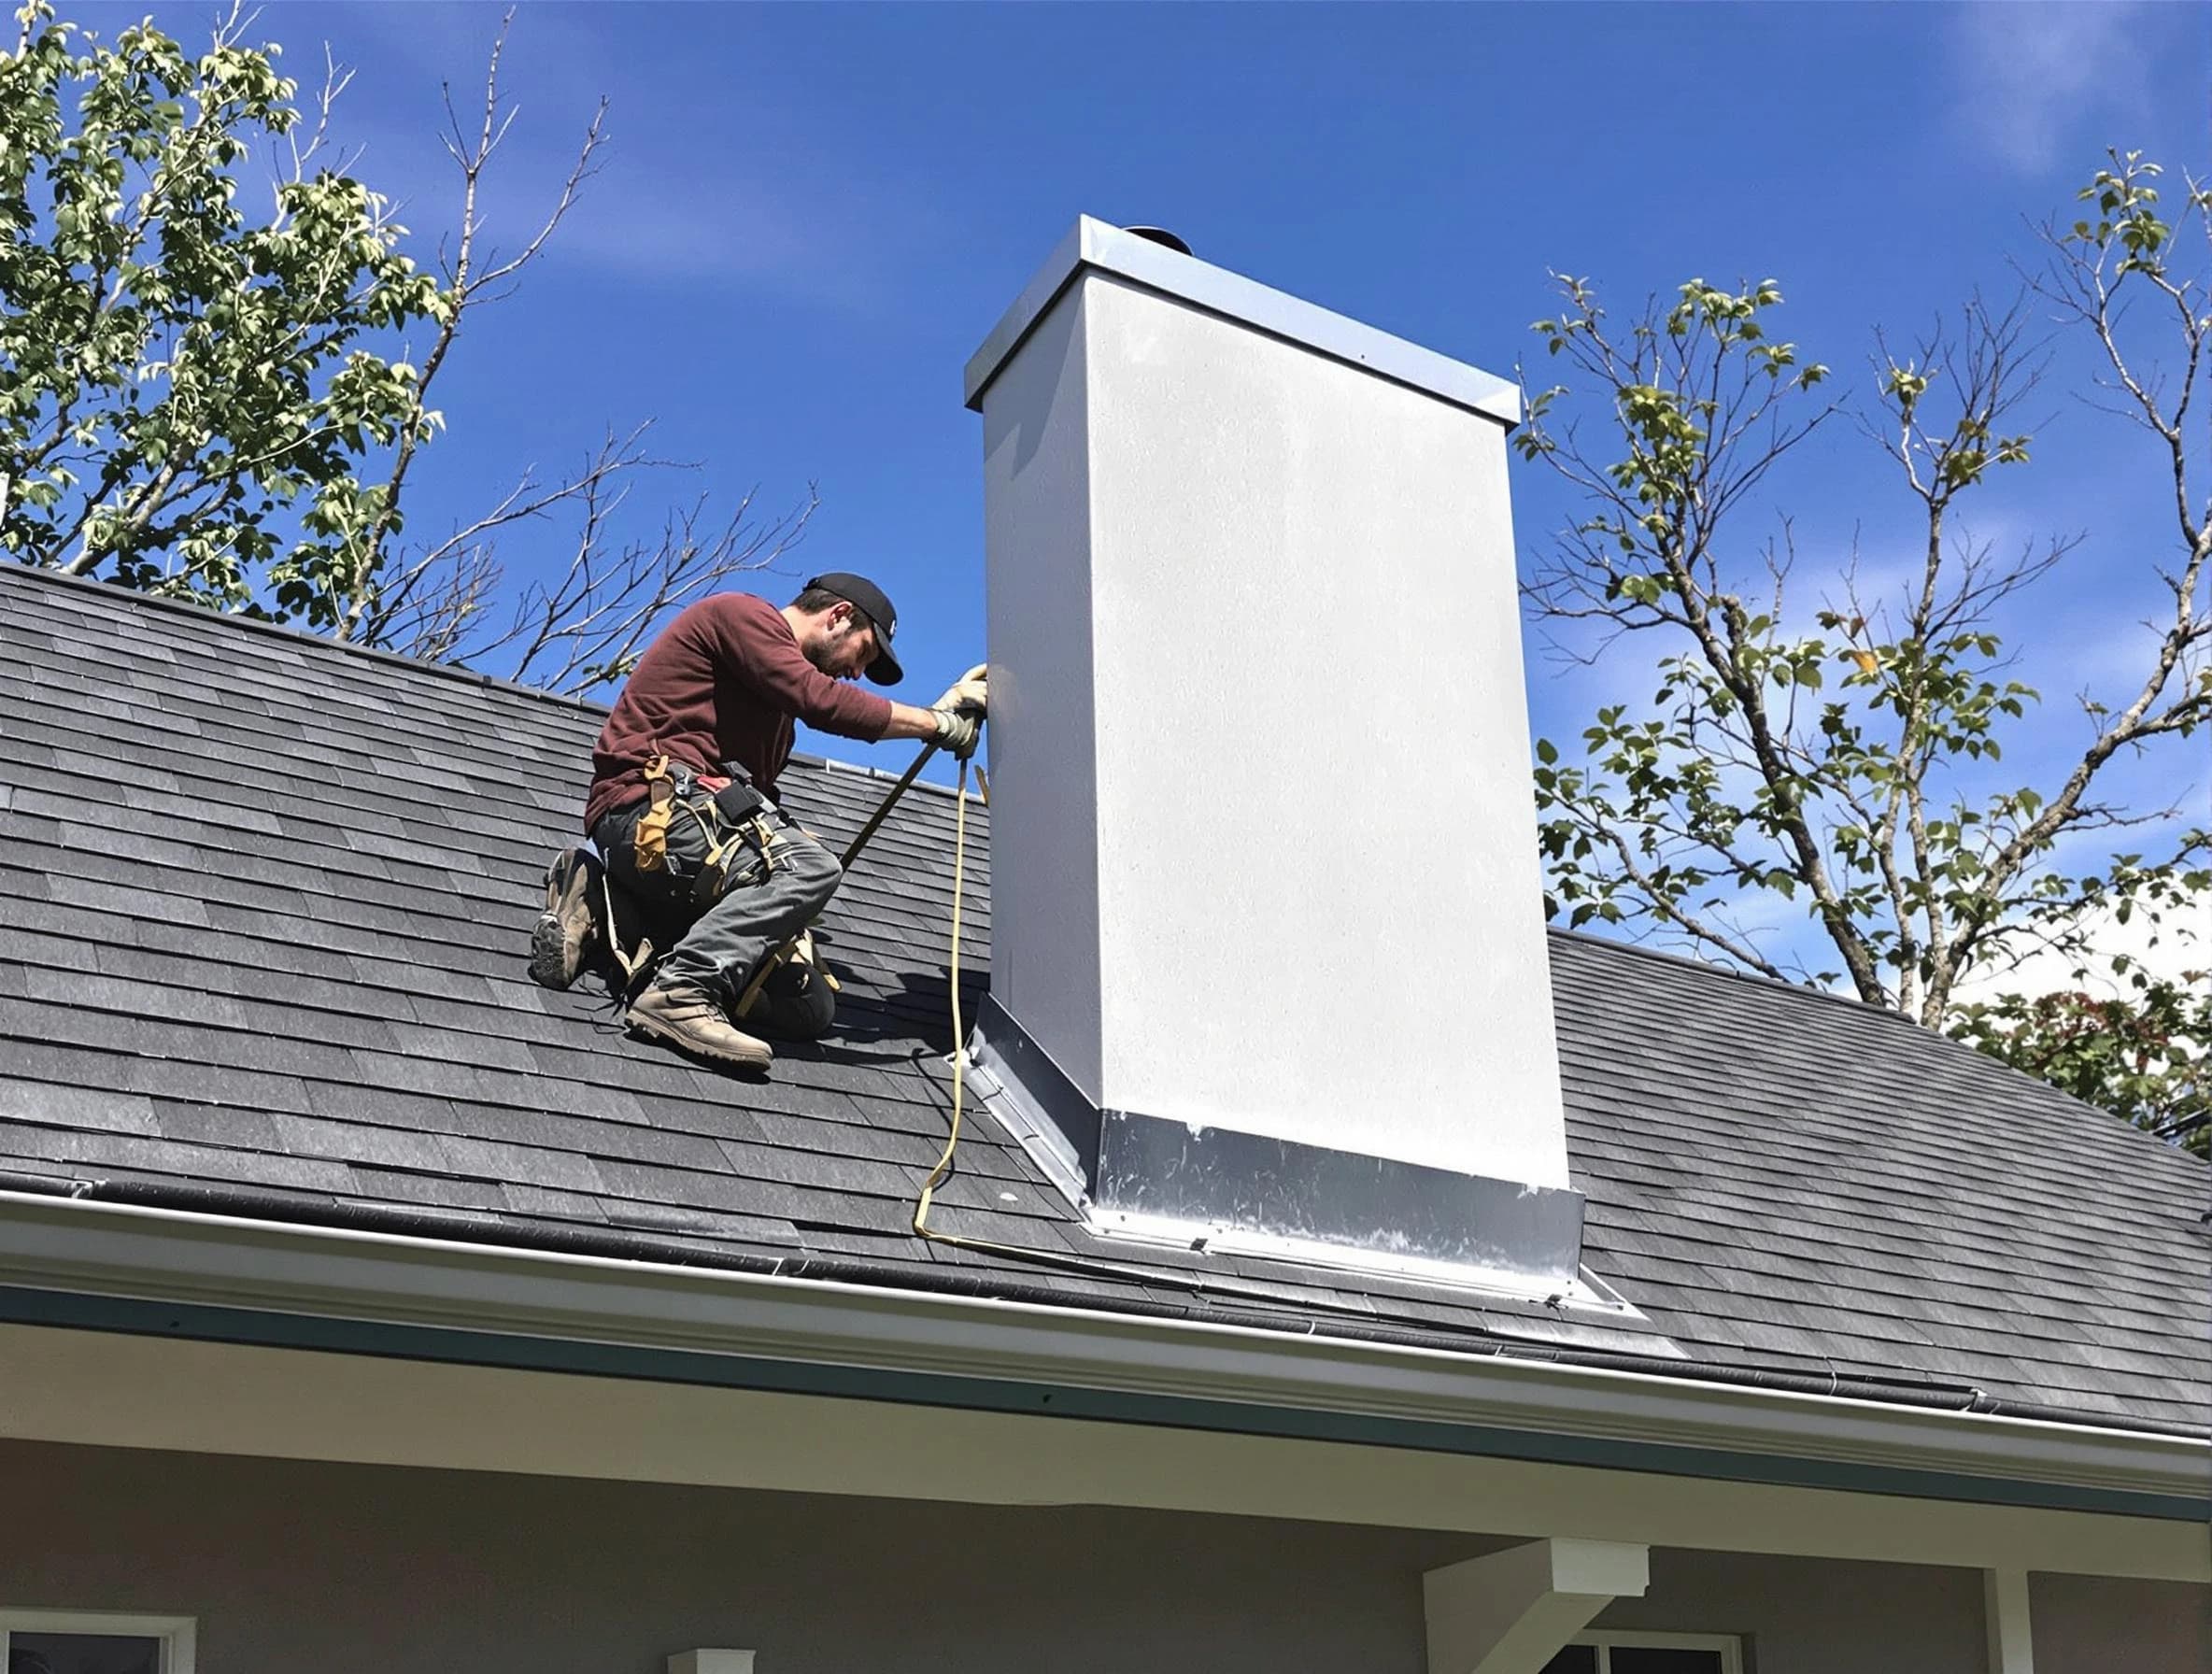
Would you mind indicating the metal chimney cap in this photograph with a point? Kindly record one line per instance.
(1161, 236)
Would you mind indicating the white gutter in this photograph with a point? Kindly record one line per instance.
(83, 1248)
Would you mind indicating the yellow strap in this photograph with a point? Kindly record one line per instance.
(649, 838)
(803, 953)
(630, 964)
(752, 993)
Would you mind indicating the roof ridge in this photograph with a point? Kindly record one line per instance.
(126, 598)
(867, 771)
(1664, 956)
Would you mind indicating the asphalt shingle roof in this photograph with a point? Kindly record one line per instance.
(263, 913)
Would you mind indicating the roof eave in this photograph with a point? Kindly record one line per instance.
(954, 1351)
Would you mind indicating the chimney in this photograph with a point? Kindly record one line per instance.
(1268, 962)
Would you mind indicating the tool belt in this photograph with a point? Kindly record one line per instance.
(733, 815)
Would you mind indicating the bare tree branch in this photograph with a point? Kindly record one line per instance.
(587, 626)
(466, 286)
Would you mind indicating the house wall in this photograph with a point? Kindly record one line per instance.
(2100, 1625)
(364, 1569)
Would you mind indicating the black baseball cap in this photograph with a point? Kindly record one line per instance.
(869, 599)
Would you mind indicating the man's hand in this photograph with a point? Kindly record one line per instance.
(957, 729)
(954, 721)
(969, 692)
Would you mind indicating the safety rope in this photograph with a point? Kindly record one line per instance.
(942, 1171)
(952, 1139)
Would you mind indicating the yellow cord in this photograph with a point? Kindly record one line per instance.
(952, 1139)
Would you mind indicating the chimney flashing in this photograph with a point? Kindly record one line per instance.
(1098, 245)
(1142, 1176)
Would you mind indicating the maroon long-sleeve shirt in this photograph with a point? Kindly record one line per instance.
(722, 682)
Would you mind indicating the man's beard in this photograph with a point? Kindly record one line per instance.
(823, 654)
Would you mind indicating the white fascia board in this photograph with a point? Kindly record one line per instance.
(1101, 247)
(77, 1247)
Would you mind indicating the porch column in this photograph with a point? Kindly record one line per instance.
(2004, 1609)
(1511, 1612)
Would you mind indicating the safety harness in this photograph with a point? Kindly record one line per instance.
(732, 813)
(731, 816)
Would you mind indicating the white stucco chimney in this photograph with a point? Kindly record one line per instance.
(1267, 938)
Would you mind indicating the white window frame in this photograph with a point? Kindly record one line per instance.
(1729, 1645)
(178, 1635)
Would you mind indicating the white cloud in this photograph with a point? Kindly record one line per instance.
(2032, 73)
(2179, 942)
(2166, 950)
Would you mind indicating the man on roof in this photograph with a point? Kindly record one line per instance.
(682, 808)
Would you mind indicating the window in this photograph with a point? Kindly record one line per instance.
(1649, 1654)
(93, 1642)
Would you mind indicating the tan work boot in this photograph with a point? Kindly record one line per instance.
(564, 930)
(690, 1018)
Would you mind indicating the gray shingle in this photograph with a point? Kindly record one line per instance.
(54, 1105)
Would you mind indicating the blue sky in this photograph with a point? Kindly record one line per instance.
(810, 215)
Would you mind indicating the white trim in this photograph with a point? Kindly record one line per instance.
(1729, 1645)
(2005, 1613)
(178, 1635)
(118, 1250)
(1101, 247)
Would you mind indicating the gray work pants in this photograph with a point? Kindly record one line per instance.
(759, 908)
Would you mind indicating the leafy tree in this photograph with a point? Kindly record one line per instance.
(2145, 1056)
(1842, 759)
(219, 399)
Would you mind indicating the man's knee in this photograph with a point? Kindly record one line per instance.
(814, 871)
(796, 1003)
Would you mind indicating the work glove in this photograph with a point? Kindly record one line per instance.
(968, 692)
(957, 729)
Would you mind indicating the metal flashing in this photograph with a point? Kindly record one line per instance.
(1099, 246)
(1038, 1101)
(1011, 1089)
(1139, 1174)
